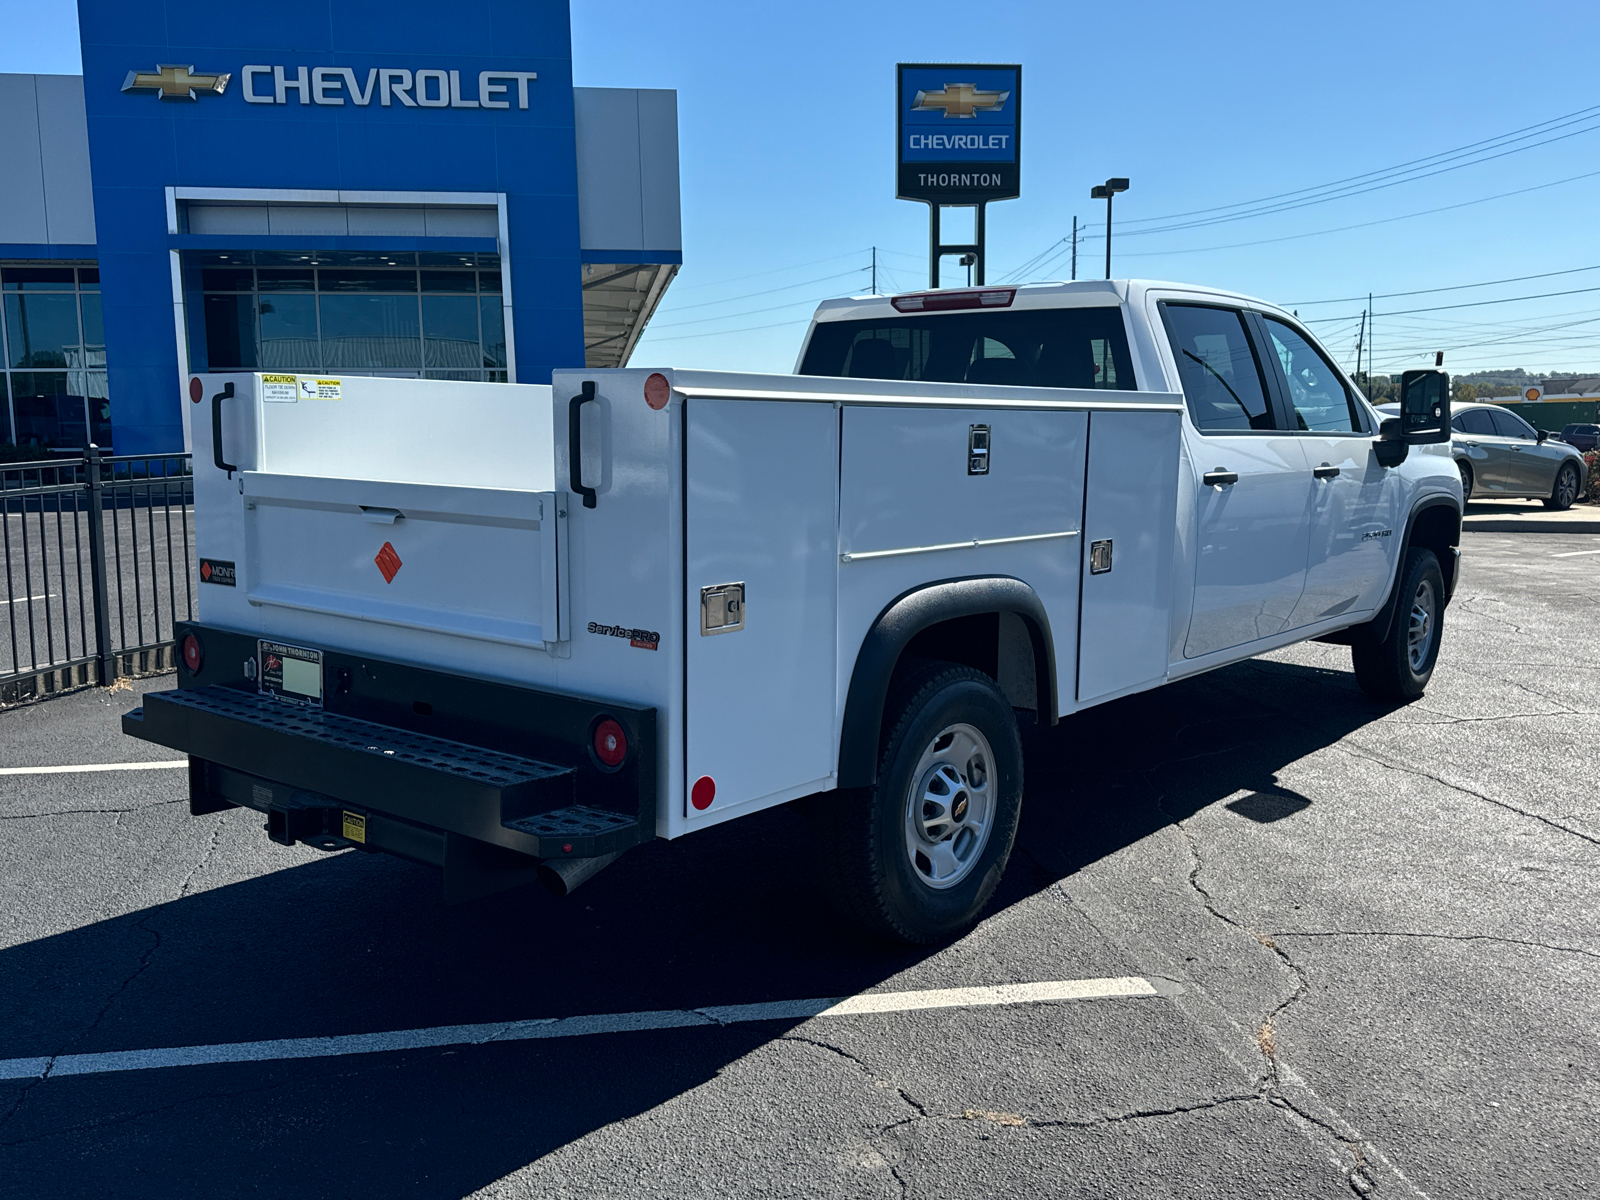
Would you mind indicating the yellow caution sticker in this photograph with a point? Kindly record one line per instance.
(281, 389)
(355, 827)
(312, 388)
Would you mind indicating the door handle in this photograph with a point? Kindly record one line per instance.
(1219, 478)
(216, 429)
(575, 444)
(1325, 472)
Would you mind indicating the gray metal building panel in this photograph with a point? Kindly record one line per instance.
(64, 153)
(658, 168)
(22, 195)
(610, 191)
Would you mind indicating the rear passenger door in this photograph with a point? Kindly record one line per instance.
(1355, 499)
(1250, 481)
(1487, 451)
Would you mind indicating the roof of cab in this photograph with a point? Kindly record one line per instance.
(1047, 294)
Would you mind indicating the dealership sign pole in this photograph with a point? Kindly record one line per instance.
(958, 128)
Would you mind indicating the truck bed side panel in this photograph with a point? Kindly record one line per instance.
(906, 487)
(762, 512)
(1132, 504)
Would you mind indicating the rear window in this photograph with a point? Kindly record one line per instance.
(1057, 347)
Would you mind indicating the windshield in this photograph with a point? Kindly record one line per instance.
(1055, 347)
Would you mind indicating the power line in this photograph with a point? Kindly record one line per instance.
(773, 271)
(1453, 288)
(724, 332)
(1345, 193)
(1528, 130)
(769, 291)
(1294, 237)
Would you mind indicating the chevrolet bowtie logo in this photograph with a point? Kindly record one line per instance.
(175, 83)
(961, 100)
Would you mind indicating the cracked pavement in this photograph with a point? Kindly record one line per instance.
(1373, 932)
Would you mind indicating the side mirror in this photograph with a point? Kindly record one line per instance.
(1544, 435)
(1391, 447)
(1424, 407)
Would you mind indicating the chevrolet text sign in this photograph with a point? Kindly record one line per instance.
(957, 127)
(334, 87)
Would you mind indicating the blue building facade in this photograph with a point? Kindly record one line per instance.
(334, 186)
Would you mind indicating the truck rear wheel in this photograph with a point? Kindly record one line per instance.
(922, 851)
(1399, 666)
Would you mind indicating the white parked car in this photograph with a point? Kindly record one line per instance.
(645, 602)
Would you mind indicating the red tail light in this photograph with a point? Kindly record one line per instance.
(965, 298)
(610, 743)
(194, 655)
(703, 792)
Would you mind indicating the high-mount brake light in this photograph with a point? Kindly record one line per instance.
(945, 301)
(610, 743)
(194, 655)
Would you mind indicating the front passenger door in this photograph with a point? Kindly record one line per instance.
(1530, 467)
(1356, 500)
(1251, 484)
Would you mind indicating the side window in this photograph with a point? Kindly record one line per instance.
(1475, 420)
(1512, 426)
(1321, 402)
(1459, 423)
(1222, 382)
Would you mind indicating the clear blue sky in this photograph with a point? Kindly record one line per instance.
(786, 128)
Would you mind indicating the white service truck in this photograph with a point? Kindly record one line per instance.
(515, 630)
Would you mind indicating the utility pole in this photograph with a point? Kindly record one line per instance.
(874, 270)
(1074, 247)
(1104, 192)
(1361, 340)
(1371, 358)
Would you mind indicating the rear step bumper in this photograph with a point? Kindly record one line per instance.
(413, 794)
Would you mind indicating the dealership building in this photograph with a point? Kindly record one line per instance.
(334, 187)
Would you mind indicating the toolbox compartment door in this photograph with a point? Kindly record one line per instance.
(472, 562)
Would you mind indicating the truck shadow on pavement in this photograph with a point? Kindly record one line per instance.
(354, 943)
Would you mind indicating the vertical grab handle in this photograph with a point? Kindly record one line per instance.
(575, 444)
(216, 429)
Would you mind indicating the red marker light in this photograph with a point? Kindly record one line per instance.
(657, 391)
(703, 792)
(196, 389)
(610, 743)
(193, 654)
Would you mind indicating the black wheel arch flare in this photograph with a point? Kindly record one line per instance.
(900, 621)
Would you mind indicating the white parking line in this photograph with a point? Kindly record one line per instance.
(1574, 553)
(27, 599)
(564, 1027)
(166, 765)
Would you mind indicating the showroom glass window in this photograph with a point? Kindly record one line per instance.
(53, 392)
(433, 316)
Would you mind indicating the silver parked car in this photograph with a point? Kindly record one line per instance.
(1500, 454)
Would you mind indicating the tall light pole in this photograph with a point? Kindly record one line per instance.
(1104, 192)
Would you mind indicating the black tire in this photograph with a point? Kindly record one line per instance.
(1565, 491)
(878, 882)
(1466, 479)
(1388, 669)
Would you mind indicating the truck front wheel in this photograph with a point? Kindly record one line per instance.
(1399, 666)
(922, 851)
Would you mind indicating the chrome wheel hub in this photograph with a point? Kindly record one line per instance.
(1419, 634)
(950, 806)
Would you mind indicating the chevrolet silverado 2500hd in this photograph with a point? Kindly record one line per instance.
(515, 630)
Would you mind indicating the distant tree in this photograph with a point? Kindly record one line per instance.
(1464, 393)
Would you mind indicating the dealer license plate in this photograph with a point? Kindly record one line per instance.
(292, 673)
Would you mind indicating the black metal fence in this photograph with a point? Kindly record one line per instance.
(97, 554)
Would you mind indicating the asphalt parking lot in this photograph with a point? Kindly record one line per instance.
(1365, 943)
